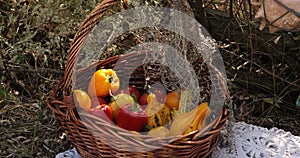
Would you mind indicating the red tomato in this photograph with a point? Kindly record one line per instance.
(97, 101)
(132, 117)
(102, 111)
(143, 99)
(130, 91)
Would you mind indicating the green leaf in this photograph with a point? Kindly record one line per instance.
(134, 97)
(298, 101)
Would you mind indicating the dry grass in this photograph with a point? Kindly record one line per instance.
(28, 130)
(34, 39)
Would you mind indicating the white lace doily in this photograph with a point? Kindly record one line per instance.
(248, 141)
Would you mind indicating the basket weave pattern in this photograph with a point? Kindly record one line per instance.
(77, 124)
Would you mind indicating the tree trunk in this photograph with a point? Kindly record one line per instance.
(199, 12)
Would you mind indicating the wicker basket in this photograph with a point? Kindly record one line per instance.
(84, 129)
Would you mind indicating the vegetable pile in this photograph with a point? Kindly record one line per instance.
(154, 112)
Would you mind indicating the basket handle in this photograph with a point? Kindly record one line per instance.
(79, 38)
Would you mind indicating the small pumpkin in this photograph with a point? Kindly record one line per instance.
(158, 114)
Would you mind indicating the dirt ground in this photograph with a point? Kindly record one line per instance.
(262, 70)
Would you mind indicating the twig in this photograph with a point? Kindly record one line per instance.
(250, 34)
(266, 71)
(5, 66)
(250, 10)
(39, 70)
(231, 8)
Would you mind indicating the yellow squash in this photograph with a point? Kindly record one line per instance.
(190, 121)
